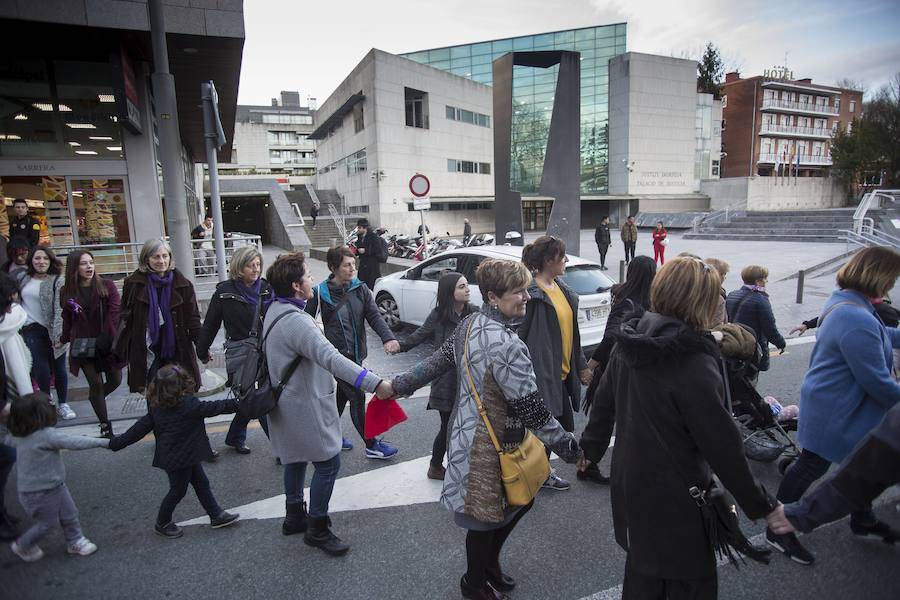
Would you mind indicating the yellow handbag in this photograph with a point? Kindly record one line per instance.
(522, 470)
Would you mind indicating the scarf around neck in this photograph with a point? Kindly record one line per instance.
(251, 293)
(159, 293)
(756, 288)
(298, 302)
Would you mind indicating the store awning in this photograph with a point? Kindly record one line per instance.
(336, 117)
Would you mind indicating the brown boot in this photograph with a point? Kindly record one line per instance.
(436, 472)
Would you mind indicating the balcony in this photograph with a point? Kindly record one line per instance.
(806, 108)
(806, 160)
(775, 129)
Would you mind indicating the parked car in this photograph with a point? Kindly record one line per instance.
(406, 297)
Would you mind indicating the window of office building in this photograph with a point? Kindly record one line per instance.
(468, 116)
(416, 103)
(468, 166)
(288, 157)
(285, 138)
(358, 121)
(356, 162)
(287, 119)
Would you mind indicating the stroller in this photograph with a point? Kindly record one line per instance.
(765, 437)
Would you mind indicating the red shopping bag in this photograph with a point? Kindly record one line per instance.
(381, 415)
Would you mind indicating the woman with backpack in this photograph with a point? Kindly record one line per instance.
(452, 306)
(40, 286)
(91, 308)
(630, 299)
(240, 304)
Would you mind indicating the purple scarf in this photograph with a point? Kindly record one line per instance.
(298, 302)
(161, 304)
(251, 293)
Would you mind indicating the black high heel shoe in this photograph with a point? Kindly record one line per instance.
(592, 473)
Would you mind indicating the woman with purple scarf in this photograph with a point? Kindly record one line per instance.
(161, 318)
(90, 306)
(235, 304)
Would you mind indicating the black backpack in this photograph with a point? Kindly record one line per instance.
(253, 386)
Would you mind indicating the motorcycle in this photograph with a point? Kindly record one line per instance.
(400, 246)
(350, 240)
(481, 239)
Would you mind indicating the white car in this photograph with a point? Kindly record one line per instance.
(407, 297)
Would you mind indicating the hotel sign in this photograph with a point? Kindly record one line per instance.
(779, 73)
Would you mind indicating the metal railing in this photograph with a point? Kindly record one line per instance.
(866, 238)
(738, 209)
(117, 261)
(805, 159)
(795, 130)
(871, 200)
(809, 107)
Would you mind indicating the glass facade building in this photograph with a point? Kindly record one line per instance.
(533, 90)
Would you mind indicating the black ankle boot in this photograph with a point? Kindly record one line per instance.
(295, 519)
(106, 430)
(499, 580)
(485, 592)
(319, 536)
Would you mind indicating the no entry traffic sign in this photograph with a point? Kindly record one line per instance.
(419, 185)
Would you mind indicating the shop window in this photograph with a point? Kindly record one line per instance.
(100, 211)
(416, 103)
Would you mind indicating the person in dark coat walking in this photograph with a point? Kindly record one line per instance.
(314, 214)
(629, 235)
(235, 303)
(664, 392)
(23, 225)
(630, 299)
(158, 288)
(603, 239)
(452, 306)
(176, 420)
(369, 250)
(347, 305)
(467, 232)
(91, 307)
(550, 330)
(750, 306)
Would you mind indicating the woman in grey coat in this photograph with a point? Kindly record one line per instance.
(305, 427)
(502, 374)
(452, 306)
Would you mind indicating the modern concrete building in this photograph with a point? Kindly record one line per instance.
(271, 141)
(663, 138)
(392, 118)
(77, 126)
(776, 119)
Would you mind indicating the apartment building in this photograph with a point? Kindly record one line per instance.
(774, 119)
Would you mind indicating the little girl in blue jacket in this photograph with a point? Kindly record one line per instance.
(176, 420)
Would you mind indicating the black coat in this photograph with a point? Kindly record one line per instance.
(229, 307)
(436, 330)
(179, 430)
(369, 267)
(754, 310)
(601, 236)
(664, 377)
(540, 332)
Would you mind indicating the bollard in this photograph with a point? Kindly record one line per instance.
(621, 271)
(801, 275)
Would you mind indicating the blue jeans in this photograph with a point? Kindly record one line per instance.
(7, 459)
(319, 489)
(37, 338)
(809, 467)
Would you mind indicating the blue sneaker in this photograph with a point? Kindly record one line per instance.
(381, 450)
(346, 445)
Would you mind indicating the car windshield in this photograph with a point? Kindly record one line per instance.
(587, 279)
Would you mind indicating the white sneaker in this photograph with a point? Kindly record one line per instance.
(82, 547)
(65, 412)
(28, 555)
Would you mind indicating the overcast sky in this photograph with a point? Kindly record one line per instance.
(311, 46)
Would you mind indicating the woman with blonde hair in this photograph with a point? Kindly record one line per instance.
(240, 303)
(848, 388)
(160, 315)
(663, 391)
(495, 375)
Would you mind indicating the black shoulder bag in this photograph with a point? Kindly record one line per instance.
(93, 347)
(718, 512)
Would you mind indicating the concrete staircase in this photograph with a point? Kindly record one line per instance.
(779, 226)
(326, 232)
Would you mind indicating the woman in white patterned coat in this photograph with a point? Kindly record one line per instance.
(504, 379)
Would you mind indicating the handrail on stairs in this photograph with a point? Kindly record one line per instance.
(870, 200)
(727, 212)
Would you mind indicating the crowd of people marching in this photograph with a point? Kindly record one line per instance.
(505, 376)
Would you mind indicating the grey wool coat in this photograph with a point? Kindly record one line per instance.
(305, 426)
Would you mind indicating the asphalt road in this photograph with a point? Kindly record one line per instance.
(563, 549)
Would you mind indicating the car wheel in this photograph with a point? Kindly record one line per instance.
(389, 310)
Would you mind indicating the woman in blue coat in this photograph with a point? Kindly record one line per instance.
(848, 388)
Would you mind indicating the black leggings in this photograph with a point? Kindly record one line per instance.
(97, 389)
(178, 485)
(357, 399)
(439, 448)
(483, 549)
